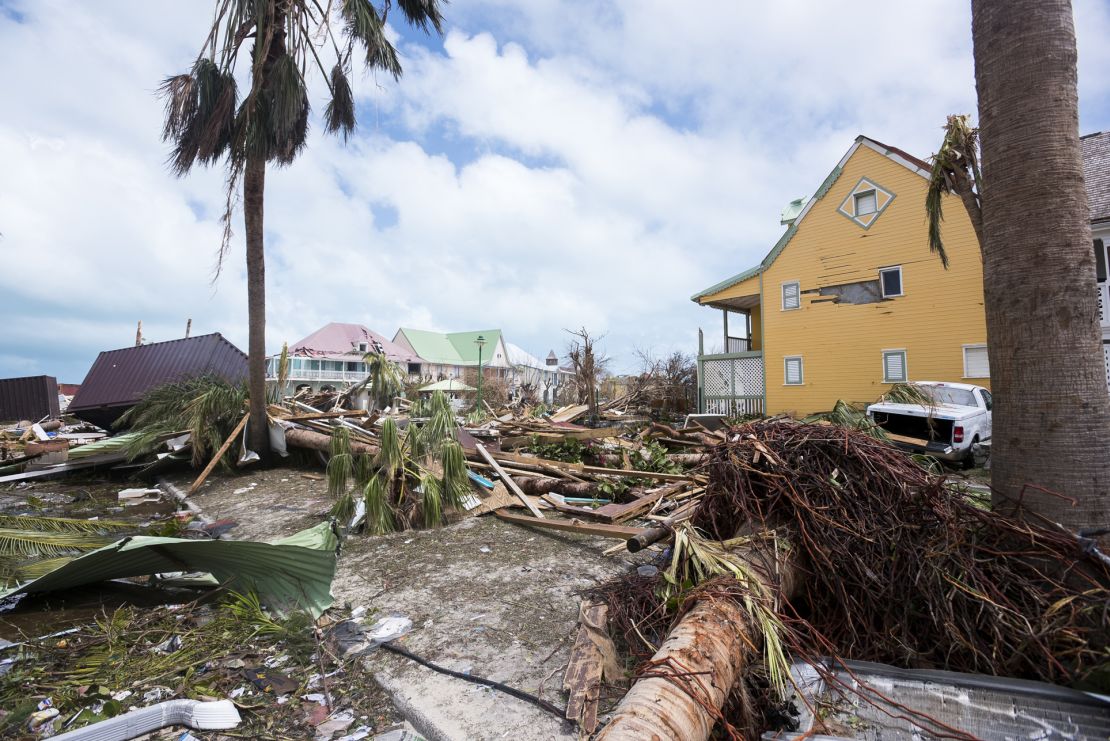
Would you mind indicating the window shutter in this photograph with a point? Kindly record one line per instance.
(791, 296)
(1100, 261)
(894, 367)
(793, 371)
(976, 363)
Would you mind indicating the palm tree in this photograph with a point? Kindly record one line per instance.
(1052, 411)
(955, 170)
(384, 377)
(207, 122)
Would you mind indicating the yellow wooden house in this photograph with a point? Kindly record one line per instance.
(850, 300)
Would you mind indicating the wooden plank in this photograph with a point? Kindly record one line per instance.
(219, 454)
(633, 473)
(508, 480)
(573, 526)
(328, 415)
(622, 512)
(570, 413)
(583, 676)
(555, 435)
(907, 439)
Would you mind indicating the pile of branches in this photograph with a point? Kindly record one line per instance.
(899, 566)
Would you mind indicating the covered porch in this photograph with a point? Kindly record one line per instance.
(731, 374)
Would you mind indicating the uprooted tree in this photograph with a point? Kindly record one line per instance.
(588, 366)
(207, 122)
(1028, 205)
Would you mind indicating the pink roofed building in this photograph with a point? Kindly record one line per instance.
(333, 356)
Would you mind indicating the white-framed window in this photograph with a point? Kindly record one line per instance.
(976, 363)
(792, 370)
(890, 279)
(791, 295)
(866, 203)
(894, 366)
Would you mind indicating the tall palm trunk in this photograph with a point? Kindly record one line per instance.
(254, 185)
(1052, 412)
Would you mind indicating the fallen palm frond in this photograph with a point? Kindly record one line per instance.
(379, 513)
(456, 481)
(908, 393)
(62, 524)
(207, 407)
(695, 561)
(339, 471)
(844, 414)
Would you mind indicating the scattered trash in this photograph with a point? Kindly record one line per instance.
(485, 549)
(315, 697)
(336, 723)
(270, 680)
(647, 570)
(168, 646)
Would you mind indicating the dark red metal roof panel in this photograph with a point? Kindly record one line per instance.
(122, 377)
(29, 397)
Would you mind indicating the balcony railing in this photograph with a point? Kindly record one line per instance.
(731, 383)
(321, 375)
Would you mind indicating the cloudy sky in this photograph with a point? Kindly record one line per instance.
(546, 164)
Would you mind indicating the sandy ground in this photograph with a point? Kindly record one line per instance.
(488, 597)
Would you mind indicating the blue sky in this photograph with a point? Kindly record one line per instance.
(546, 165)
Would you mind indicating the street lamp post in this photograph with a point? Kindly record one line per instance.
(480, 342)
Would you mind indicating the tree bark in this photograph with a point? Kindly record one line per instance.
(705, 655)
(537, 486)
(299, 437)
(254, 185)
(1051, 410)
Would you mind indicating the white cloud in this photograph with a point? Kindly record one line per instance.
(553, 164)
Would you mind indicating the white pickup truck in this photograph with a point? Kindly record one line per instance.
(958, 418)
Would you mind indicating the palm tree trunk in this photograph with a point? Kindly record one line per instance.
(1052, 411)
(254, 184)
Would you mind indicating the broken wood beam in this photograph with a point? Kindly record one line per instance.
(572, 526)
(219, 454)
(508, 480)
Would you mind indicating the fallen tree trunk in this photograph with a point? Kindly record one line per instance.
(299, 437)
(538, 487)
(693, 672)
(682, 459)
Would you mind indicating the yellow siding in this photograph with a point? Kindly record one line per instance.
(757, 329)
(841, 344)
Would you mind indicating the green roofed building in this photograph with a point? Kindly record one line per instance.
(448, 355)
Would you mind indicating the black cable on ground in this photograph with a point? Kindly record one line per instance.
(519, 694)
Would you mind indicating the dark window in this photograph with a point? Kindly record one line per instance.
(892, 281)
(1100, 261)
(988, 401)
(414, 369)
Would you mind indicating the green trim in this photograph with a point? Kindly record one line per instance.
(827, 183)
(731, 355)
(728, 282)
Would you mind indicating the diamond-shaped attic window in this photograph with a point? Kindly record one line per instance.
(865, 202)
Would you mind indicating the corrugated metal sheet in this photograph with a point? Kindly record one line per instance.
(29, 397)
(874, 702)
(119, 378)
(292, 572)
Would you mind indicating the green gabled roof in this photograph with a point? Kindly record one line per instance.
(456, 348)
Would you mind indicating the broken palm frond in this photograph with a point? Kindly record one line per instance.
(431, 500)
(391, 458)
(340, 469)
(33, 546)
(901, 568)
(379, 512)
(456, 481)
(208, 407)
(696, 561)
(277, 391)
(62, 524)
(955, 170)
(908, 393)
(844, 414)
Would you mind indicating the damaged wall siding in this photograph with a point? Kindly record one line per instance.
(29, 397)
(841, 343)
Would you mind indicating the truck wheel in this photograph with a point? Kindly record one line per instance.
(968, 462)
